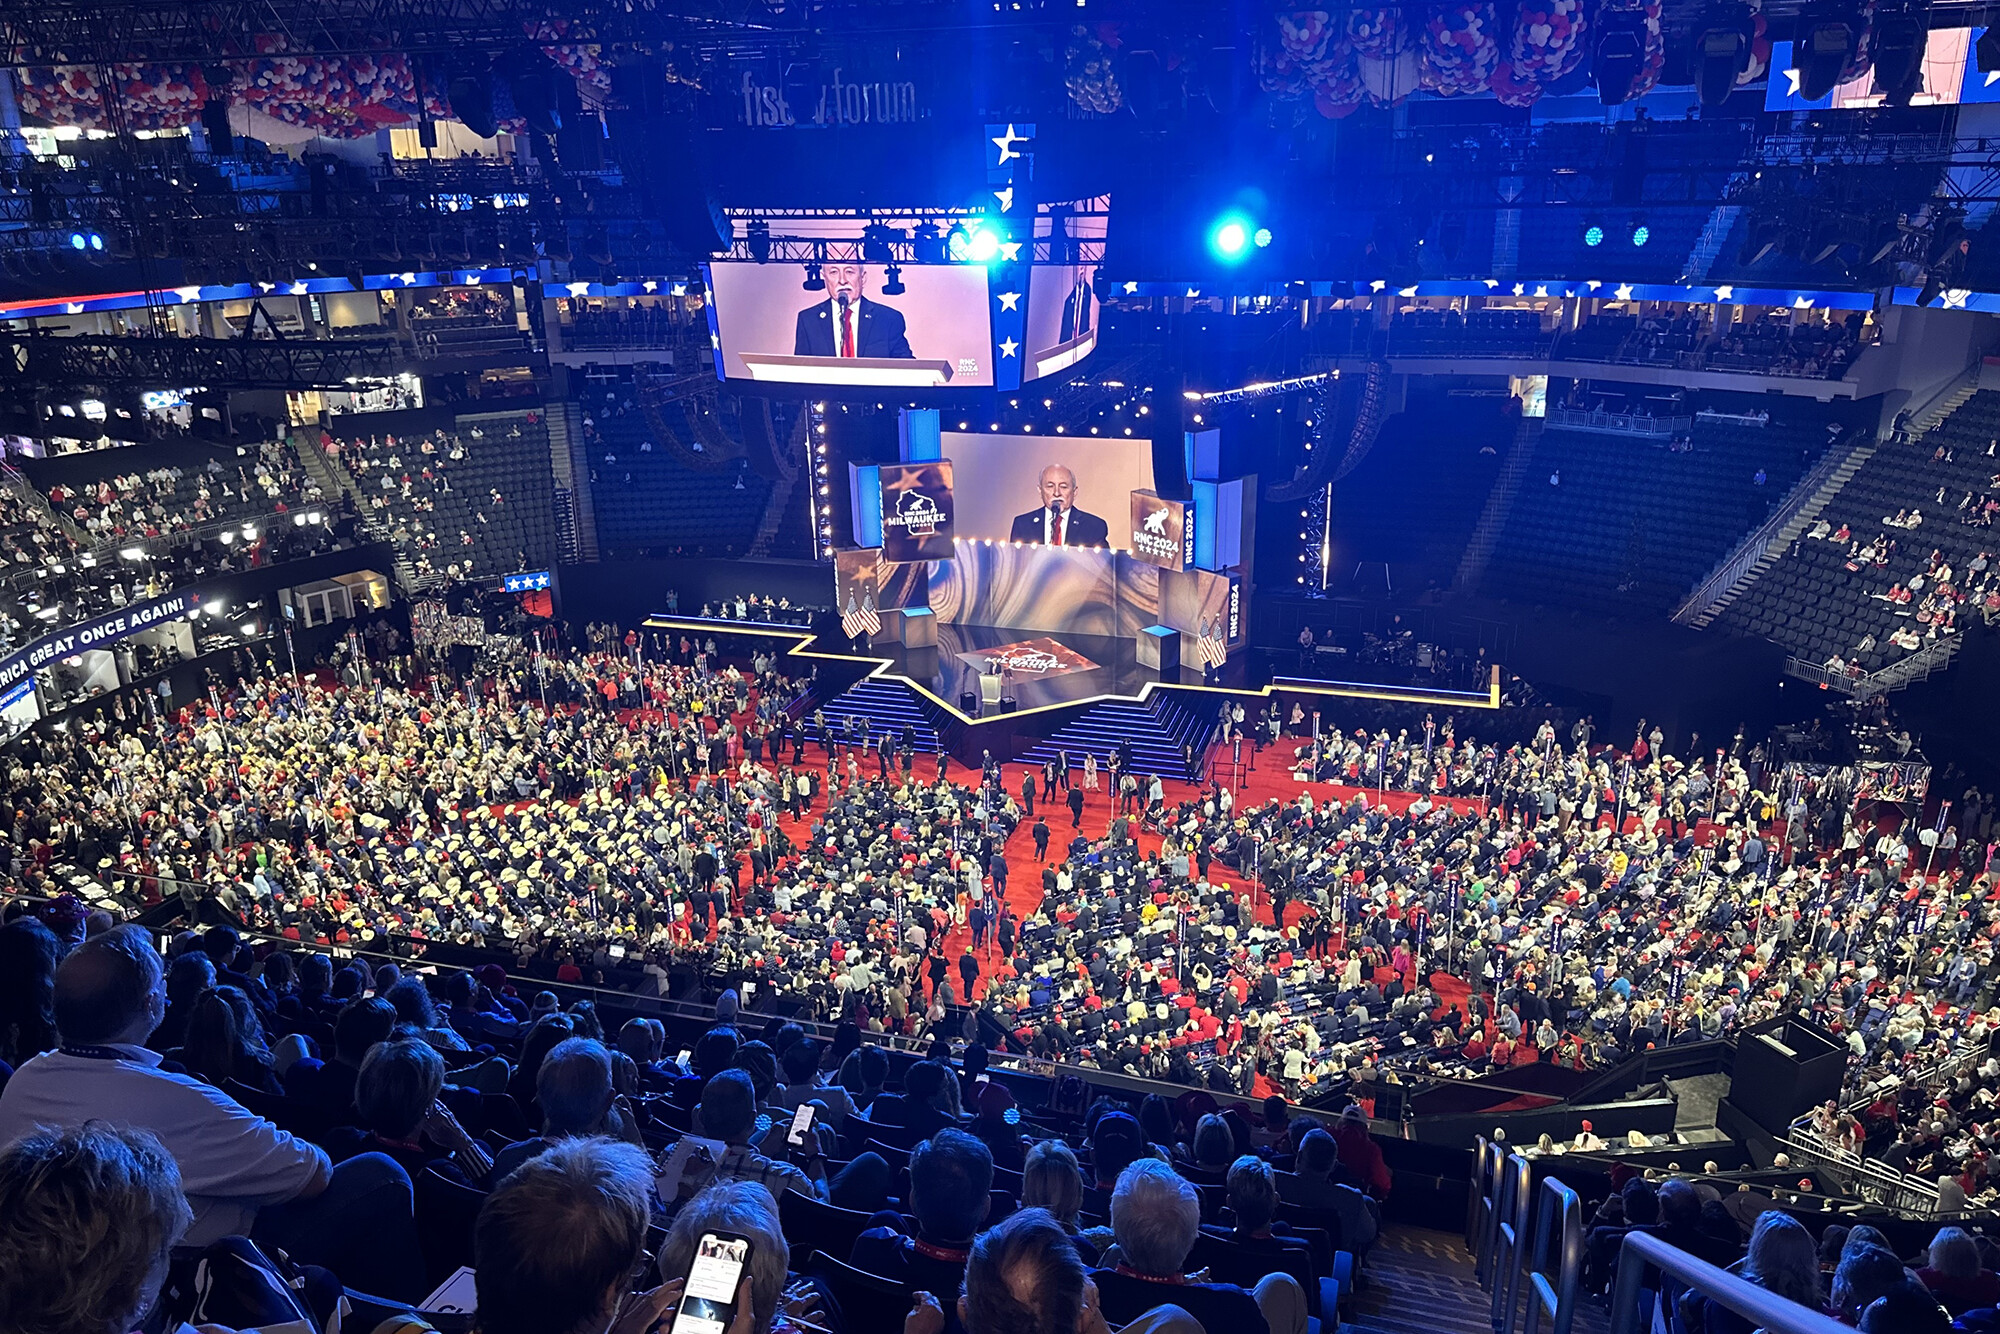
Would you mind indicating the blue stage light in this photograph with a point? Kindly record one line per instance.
(77, 241)
(1263, 237)
(1593, 235)
(1641, 234)
(97, 241)
(1231, 236)
(982, 245)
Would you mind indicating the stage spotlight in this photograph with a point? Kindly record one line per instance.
(1593, 235)
(1620, 56)
(1641, 233)
(1899, 57)
(469, 93)
(1230, 237)
(982, 245)
(875, 238)
(1822, 51)
(892, 281)
(1261, 237)
(758, 237)
(814, 282)
(78, 241)
(1722, 54)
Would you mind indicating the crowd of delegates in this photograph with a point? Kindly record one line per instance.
(383, 1128)
(613, 816)
(162, 501)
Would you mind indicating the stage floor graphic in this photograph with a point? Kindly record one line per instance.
(1040, 659)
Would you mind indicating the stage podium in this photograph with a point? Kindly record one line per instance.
(857, 372)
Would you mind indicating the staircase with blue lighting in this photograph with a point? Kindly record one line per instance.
(889, 706)
(1156, 729)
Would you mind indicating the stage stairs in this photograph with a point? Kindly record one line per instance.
(1157, 730)
(889, 706)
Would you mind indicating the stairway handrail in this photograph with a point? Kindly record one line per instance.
(1763, 1309)
(1558, 1239)
(1751, 549)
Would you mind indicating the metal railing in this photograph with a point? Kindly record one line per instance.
(1620, 423)
(1632, 1296)
(1919, 666)
(1510, 1231)
(1481, 1202)
(1753, 548)
(1555, 1265)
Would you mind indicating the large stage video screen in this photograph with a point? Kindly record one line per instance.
(1062, 293)
(1005, 486)
(854, 329)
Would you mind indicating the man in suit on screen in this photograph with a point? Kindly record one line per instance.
(847, 323)
(1058, 523)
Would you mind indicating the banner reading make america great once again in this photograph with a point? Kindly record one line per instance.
(916, 511)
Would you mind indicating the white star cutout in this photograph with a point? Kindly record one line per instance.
(1005, 143)
(1193, 292)
(1010, 252)
(678, 289)
(1623, 291)
(1792, 76)
(73, 308)
(1955, 297)
(1725, 292)
(188, 293)
(1006, 198)
(1802, 303)
(1520, 289)
(297, 289)
(1992, 77)
(1010, 300)
(652, 285)
(578, 289)
(407, 279)
(1593, 284)
(1492, 282)
(1009, 348)
(472, 279)
(267, 287)
(1543, 290)
(1377, 285)
(1411, 290)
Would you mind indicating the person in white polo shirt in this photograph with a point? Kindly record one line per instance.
(242, 1175)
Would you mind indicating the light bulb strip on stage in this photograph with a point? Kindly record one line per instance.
(880, 668)
(1261, 389)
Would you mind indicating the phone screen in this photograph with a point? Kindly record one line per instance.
(682, 1059)
(801, 1125)
(709, 1304)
